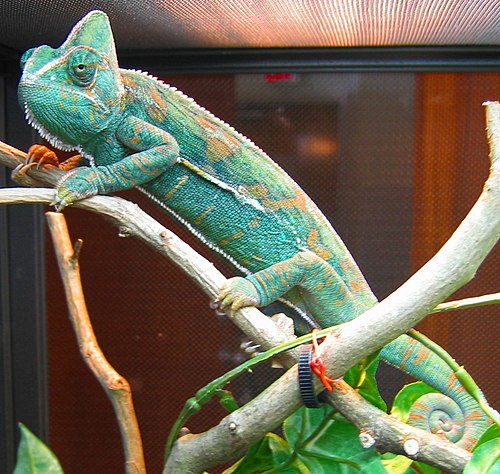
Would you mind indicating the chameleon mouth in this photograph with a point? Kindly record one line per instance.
(44, 133)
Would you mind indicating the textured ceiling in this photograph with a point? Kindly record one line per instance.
(175, 24)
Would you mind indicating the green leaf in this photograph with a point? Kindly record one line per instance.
(263, 455)
(396, 464)
(491, 433)
(317, 441)
(227, 400)
(485, 459)
(361, 377)
(407, 397)
(423, 468)
(34, 457)
(327, 443)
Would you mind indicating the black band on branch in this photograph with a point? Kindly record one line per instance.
(305, 377)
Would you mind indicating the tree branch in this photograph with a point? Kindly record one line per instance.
(116, 387)
(452, 267)
(388, 434)
(233, 436)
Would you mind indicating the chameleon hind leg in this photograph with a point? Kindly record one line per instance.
(325, 294)
(453, 413)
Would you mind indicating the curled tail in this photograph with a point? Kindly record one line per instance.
(453, 413)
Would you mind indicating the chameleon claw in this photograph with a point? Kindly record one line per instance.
(250, 348)
(20, 174)
(236, 293)
(59, 204)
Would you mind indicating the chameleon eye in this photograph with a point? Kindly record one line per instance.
(82, 67)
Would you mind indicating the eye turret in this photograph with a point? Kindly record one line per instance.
(82, 66)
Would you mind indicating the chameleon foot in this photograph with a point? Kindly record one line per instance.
(40, 154)
(37, 155)
(236, 293)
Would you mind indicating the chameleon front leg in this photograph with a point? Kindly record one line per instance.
(153, 151)
(319, 284)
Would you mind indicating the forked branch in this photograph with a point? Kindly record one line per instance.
(116, 387)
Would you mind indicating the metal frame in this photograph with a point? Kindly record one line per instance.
(219, 61)
(23, 347)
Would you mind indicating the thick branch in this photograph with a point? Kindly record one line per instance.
(133, 221)
(250, 423)
(116, 387)
(388, 434)
(453, 266)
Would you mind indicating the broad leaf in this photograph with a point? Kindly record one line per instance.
(406, 397)
(423, 468)
(492, 432)
(397, 464)
(263, 455)
(327, 443)
(34, 457)
(485, 459)
(317, 441)
(361, 377)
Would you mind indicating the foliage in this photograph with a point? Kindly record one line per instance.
(318, 440)
(406, 397)
(34, 457)
(486, 454)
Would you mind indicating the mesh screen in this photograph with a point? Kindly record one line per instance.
(361, 146)
(259, 23)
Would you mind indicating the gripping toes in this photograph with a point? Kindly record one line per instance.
(37, 155)
(76, 185)
(40, 154)
(237, 293)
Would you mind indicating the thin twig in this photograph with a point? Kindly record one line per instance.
(116, 387)
(474, 302)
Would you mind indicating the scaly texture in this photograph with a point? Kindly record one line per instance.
(139, 132)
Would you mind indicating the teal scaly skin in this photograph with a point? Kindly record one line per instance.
(136, 131)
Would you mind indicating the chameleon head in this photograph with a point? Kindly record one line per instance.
(72, 93)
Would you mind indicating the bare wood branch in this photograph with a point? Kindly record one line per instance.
(390, 435)
(116, 387)
(132, 221)
(235, 433)
(453, 266)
